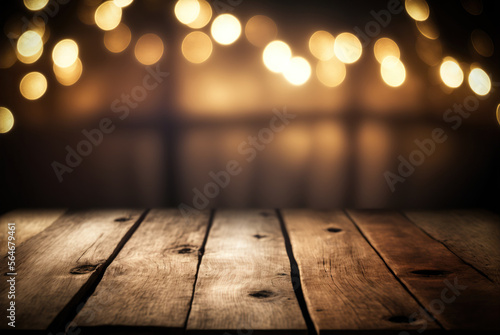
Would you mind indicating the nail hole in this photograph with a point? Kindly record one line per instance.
(261, 294)
(258, 236)
(83, 269)
(334, 230)
(185, 251)
(429, 273)
(123, 219)
(281, 274)
(399, 319)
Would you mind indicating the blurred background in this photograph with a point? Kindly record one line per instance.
(365, 79)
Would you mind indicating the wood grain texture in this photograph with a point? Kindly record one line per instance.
(29, 222)
(150, 283)
(55, 266)
(473, 235)
(346, 285)
(455, 293)
(244, 278)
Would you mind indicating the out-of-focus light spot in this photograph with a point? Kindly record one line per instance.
(428, 29)
(148, 49)
(417, 9)
(35, 4)
(6, 120)
(197, 47)
(393, 71)
(187, 11)
(108, 15)
(474, 7)
(203, 17)
(429, 51)
(385, 47)
(7, 57)
(122, 3)
(482, 43)
(321, 45)
(479, 81)
(451, 73)
(30, 59)
(297, 71)
(86, 11)
(260, 30)
(347, 48)
(65, 53)
(226, 29)
(498, 114)
(67, 76)
(118, 39)
(33, 85)
(276, 56)
(331, 72)
(29, 44)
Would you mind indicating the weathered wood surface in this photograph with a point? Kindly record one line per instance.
(472, 235)
(244, 278)
(55, 266)
(28, 224)
(150, 283)
(345, 283)
(457, 295)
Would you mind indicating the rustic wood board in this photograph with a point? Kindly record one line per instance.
(244, 279)
(474, 236)
(55, 267)
(432, 273)
(150, 283)
(29, 222)
(347, 287)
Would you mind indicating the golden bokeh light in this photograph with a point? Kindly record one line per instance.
(347, 48)
(149, 49)
(226, 29)
(321, 45)
(428, 29)
(65, 53)
(479, 81)
(498, 114)
(68, 76)
(276, 56)
(6, 120)
(260, 30)
(385, 47)
(331, 73)
(108, 15)
(118, 39)
(33, 85)
(393, 71)
(35, 5)
(187, 11)
(123, 3)
(29, 43)
(482, 43)
(30, 59)
(203, 17)
(417, 9)
(429, 51)
(451, 73)
(297, 71)
(197, 47)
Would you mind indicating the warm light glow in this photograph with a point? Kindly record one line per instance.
(429, 51)
(482, 43)
(67, 76)
(428, 29)
(276, 56)
(31, 59)
(417, 9)
(393, 71)
(197, 47)
(474, 7)
(123, 3)
(203, 17)
(65, 53)
(385, 47)
(29, 44)
(108, 15)
(331, 73)
(479, 81)
(226, 29)
(347, 48)
(118, 39)
(187, 11)
(321, 45)
(498, 114)
(7, 57)
(297, 71)
(451, 73)
(6, 120)
(260, 30)
(33, 85)
(35, 4)
(149, 49)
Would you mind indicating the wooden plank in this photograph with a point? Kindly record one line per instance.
(28, 224)
(150, 283)
(55, 266)
(474, 236)
(244, 278)
(455, 293)
(347, 287)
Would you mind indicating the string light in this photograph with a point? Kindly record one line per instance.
(65, 53)
(347, 48)
(276, 56)
(226, 29)
(149, 49)
(197, 47)
(321, 45)
(108, 15)
(479, 81)
(451, 73)
(393, 71)
(33, 85)
(187, 11)
(6, 120)
(297, 71)
(385, 47)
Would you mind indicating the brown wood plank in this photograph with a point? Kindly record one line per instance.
(150, 283)
(455, 293)
(244, 278)
(55, 266)
(347, 287)
(474, 236)
(28, 222)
